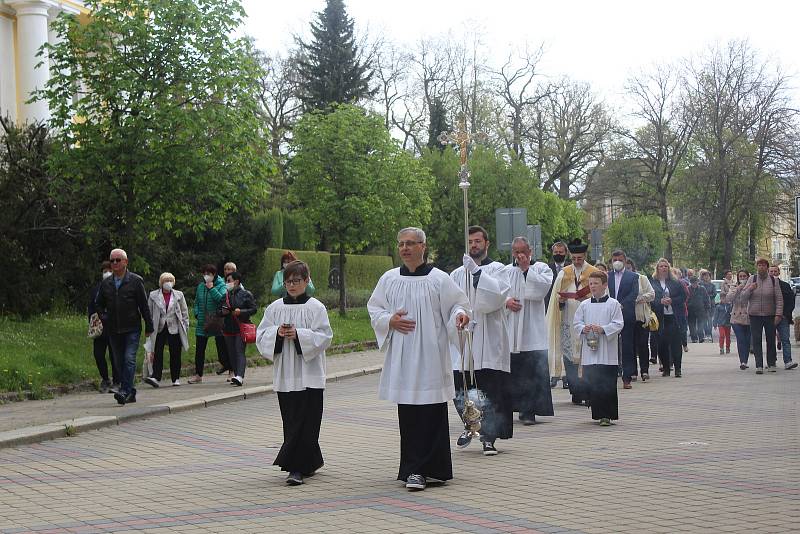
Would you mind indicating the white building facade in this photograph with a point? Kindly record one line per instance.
(24, 28)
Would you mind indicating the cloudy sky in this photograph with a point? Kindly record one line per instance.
(601, 41)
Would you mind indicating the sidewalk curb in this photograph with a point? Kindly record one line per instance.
(71, 427)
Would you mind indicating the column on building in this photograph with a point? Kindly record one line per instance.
(32, 33)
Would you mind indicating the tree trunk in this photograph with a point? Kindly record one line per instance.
(664, 212)
(342, 293)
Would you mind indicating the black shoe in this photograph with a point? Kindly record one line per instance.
(653, 360)
(222, 371)
(645, 377)
(295, 478)
(152, 381)
(464, 439)
(527, 419)
(236, 381)
(564, 383)
(677, 373)
(416, 482)
(120, 398)
(488, 449)
(130, 398)
(553, 381)
(576, 401)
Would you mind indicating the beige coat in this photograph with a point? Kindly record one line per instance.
(646, 296)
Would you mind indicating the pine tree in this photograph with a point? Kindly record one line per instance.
(437, 125)
(329, 66)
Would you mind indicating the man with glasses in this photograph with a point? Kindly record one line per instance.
(122, 301)
(412, 310)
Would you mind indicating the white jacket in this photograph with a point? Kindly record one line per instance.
(646, 296)
(175, 318)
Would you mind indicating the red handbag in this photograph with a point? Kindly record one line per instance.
(247, 331)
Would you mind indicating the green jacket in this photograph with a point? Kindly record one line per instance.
(207, 301)
(278, 290)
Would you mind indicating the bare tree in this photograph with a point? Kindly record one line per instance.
(573, 136)
(744, 136)
(516, 86)
(280, 109)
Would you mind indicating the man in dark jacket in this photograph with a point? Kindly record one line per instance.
(711, 290)
(698, 307)
(783, 327)
(560, 260)
(623, 285)
(122, 304)
(101, 343)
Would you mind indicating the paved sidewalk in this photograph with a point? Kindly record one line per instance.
(30, 421)
(714, 451)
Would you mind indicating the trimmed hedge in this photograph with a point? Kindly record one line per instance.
(363, 272)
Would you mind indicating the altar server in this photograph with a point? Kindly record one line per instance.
(527, 332)
(413, 309)
(294, 334)
(570, 289)
(490, 352)
(598, 322)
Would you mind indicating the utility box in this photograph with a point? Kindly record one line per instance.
(510, 223)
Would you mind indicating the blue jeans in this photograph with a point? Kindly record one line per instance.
(783, 337)
(742, 332)
(124, 347)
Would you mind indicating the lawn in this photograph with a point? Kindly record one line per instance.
(53, 350)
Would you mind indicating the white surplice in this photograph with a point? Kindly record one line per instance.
(527, 328)
(293, 371)
(490, 348)
(608, 315)
(417, 367)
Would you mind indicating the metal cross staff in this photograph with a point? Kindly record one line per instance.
(472, 415)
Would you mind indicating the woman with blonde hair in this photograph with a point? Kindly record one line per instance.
(669, 304)
(171, 327)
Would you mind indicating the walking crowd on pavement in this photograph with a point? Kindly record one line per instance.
(494, 338)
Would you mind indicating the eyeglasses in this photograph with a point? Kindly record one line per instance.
(401, 244)
(116, 260)
(294, 282)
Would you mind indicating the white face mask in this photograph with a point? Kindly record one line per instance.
(229, 286)
(618, 265)
(207, 277)
(167, 286)
(106, 274)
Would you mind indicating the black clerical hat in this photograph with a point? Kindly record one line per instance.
(577, 246)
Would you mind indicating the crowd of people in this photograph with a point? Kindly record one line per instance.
(494, 338)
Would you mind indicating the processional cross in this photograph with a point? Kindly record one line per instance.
(471, 414)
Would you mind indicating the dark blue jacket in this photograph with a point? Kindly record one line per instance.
(677, 292)
(628, 291)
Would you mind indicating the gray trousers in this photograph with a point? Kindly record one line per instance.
(235, 345)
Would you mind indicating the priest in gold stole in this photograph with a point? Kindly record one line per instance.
(570, 289)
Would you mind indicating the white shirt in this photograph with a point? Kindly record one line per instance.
(608, 315)
(417, 368)
(293, 371)
(490, 348)
(527, 328)
(617, 282)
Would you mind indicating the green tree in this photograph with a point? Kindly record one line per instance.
(354, 182)
(162, 135)
(496, 181)
(330, 68)
(641, 237)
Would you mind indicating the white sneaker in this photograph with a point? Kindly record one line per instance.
(790, 365)
(152, 381)
(176, 383)
(236, 381)
(759, 370)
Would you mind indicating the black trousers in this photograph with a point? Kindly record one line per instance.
(498, 418)
(424, 441)
(641, 340)
(577, 386)
(767, 324)
(670, 346)
(530, 383)
(101, 346)
(602, 380)
(301, 412)
(201, 342)
(174, 342)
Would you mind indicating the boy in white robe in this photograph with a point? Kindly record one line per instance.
(527, 332)
(411, 310)
(598, 322)
(294, 333)
(488, 292)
